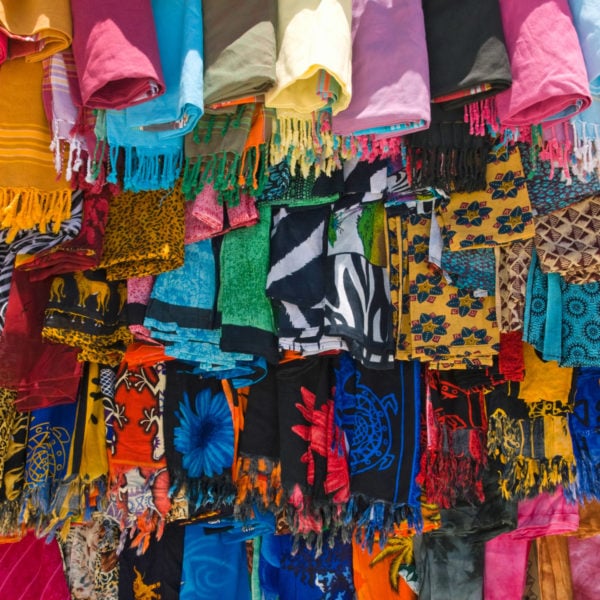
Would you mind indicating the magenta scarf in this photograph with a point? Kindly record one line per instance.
(390, 70)
(550, 83)
(116, 52)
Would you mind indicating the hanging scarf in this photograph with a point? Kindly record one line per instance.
(38, 30)
(584, 422)
(379, 414)
(32, 568)
(586, 19)
(551, 85)
(228, 150)
(151, 134)
(30, 197)
(157, 572)
(138, 296)
(231, 34)
(468, 61)
(49, 444)
(199, 439)
(117, 57)
(98, 329)
(247, 323)
(531, 443)
(144, 234)
(314, 468)
(390, 82)
(499, 215)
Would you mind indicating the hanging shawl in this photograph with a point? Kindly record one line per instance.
(228, 150)
(455, 455)
(15, 429)
(49, 445)
(81, 253)
(584, 424)
(379, 414)
(30, 197)
(117, 56)
(87, 312)
(499, 215)
(199, 439)
(42, 373)
(314, 469)
(231, 34)
(246, 313)
(586, 18)
(468, 61)
(32, 568)
(144, 234)
(38, 30)
(566, 241)
(157, 572)
(258, 469)
(314, 63)
(390, 81)
(206, 218)
(151, 134)
(549, 85)
(446, 155)
(531, 442)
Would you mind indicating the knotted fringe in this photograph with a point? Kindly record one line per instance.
(258, 481)
(371, 148)
(482, 117)
(557, 150)
(587, 485)
(447, 475)
(585, 163)
(377, 520)
(24, 209)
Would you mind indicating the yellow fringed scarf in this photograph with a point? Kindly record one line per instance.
(30, 195)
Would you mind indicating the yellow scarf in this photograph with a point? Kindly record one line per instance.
(30, 195)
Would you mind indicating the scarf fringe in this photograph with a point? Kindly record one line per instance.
(146, 169)
(10, 525)
(585, 163)
(258, 484)
(29, 208)
(587, 486)
(557, 150)
(482, 117)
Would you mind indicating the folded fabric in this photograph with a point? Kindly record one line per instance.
(314, 59)
(468, 60)
(550, 84)
(586, 18)
(231, 34)
(499, 215)
(151, 134)
(116, 53)
(144, 234)
(38, 31)
(390, 81)
(31, 197)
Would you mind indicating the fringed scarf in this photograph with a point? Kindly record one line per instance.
(314, 467)
(549, 85)
(151, 134)
(87, 312)
(499, 215)
(229, 34)
(31, 197)
(530, 443)
(137, 463)
(38, 30)
(117, 57)
(247, 322)
(379, 414)
(199, 439)
(584, 424)
(144, 234)
(455, 454)
(446, 155)
(227, 149)
(468, 60)
(390, 82)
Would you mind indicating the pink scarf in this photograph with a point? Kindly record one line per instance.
(116, 52)
(550, 83)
